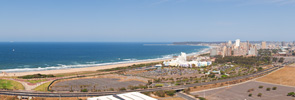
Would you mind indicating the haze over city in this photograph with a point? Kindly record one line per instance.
(146, 20)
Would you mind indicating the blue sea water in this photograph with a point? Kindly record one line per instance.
(33, 56)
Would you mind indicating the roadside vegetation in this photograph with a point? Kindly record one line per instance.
(43, 87)
(36, 76)
(161, 93)
(10, 85)
(130, 67)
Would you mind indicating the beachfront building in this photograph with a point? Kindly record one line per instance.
(181, 61)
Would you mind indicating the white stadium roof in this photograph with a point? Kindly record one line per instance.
(124, 96)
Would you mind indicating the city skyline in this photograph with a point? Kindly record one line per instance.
(146, 20)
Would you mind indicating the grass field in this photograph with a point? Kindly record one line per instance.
(42, 87)
(283, 76)
(11, 85)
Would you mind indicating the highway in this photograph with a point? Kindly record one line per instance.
(91, 94)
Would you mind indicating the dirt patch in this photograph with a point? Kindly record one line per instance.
(283, 76)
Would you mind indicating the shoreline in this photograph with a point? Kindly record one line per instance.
(95, 68)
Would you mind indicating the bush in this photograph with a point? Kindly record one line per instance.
(36, 76)
(201, 98)
(170, 93)
(259, 94)
(159, 85)
(196, 96)
(267, 89)
(274, 88)
(147, 93)
(160, 93)
(260, 87)
(250, 95)
(250, 90)
(122, 89)
(84, 90)
(291, 94)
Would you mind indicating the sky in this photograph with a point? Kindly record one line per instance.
(146, 20)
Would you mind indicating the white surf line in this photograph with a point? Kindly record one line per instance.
(233, 84)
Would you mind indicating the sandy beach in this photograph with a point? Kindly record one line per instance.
(85, 69)
(73, 70)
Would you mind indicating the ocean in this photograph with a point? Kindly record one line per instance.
(37, 56)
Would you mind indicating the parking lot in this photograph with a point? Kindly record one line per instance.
(240, 92)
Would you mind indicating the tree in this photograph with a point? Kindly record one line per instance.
(259, 94)
(259, 68)
(250, 95)
(160, 93)
(84, 90)
(267, 89)
(202, 98)
(281, 60)
(260, 87)
(122, 89)
(111, 89)
(170, 93)
(274, 88)
(291, 94)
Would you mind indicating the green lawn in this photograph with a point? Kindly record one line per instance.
(43, 87)
(10, 85)
(36, 81)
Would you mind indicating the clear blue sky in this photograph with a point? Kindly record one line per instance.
(146, 20)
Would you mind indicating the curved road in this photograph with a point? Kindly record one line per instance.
(86, 94)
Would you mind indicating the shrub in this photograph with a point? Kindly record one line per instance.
(259, 94)
(291, 94)
(250, 90)
(160, 93)
(274, 88)
(250, 95)
(147, 93)
(260, 87)
(267, 89)
(36, 76)
(159, 85)
(84, 90)
(201, 98)
(196, 96)
(170, 93)
(122, 89)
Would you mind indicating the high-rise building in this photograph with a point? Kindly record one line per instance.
(224, 51)
(263, 45)
(283, 43)
(213, 52)
(238, 42)
(252, 51)
(229, 43)
(248, 45)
